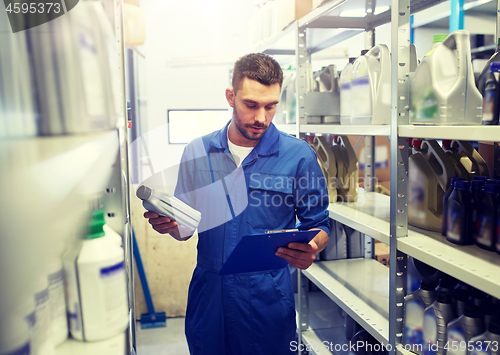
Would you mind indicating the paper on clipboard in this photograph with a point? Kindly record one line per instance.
(256, 252)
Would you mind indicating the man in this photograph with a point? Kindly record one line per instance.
(248, 178)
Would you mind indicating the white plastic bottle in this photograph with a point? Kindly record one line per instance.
(42, 343)
(371, 87)
(96, 286)
(345, 93)
(57, 302)
(109, 233)
(14, 335)
(443, 89)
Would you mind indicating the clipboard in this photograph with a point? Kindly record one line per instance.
(256, 252)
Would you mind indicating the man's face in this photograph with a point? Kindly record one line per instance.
(254, 106)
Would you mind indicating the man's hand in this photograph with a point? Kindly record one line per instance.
(165, 225)
(302, 255)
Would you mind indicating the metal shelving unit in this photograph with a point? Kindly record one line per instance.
(51, 183)
(360, 287)
(112, 346)
(369, 215)
(381, 130)
(475, 266)
(324, 335)
(470, 133)
(381, 217)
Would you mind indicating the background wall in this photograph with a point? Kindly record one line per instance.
(190, 48)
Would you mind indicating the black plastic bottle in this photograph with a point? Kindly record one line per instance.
(460, 300)
(497, 231)
(447, 284)
(491, 97)
(458, 228)
(485, 227)
(489, 312)
(445, 203)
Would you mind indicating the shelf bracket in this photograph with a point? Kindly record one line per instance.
(400, 85)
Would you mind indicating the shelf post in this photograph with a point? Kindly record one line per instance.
(303, 304)
(497, 32)
(369, 184)
(302, 57)
(400, 72)
(457, 15)
(124, 174)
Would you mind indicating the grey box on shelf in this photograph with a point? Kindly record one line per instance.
(337, 245)
(355, 243)
(322, 103)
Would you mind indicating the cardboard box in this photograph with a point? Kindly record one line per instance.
(382, 253)
(316, 3)
(291, 10)
(382, 160)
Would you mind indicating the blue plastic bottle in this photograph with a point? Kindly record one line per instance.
(485, 226)
(458, 229)
(476, 192)
(446, 196)
(497, 232)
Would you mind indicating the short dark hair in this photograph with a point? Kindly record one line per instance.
(259, 67)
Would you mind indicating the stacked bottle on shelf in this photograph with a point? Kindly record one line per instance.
(96, 285)
(85, 288)
(322, 95)
(443, 90)
(429, 174)
(447, 192)
(340, 166)
(287, 112)
(71, 57)
(451, 317)
(473, 213)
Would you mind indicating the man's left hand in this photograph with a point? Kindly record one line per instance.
(300, 255)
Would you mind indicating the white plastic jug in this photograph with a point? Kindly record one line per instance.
(291, 100)
(443, 90)
(329, 81)
(345, 93)
(371, 87)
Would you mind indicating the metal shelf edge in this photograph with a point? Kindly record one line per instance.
(471, 264)
(376, 324)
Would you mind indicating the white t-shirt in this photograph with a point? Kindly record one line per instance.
(239, 153)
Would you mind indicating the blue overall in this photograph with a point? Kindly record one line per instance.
(279, 185)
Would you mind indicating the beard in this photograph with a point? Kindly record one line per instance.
(245, 129)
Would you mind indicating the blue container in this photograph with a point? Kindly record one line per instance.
(445, 203)
(485, 224)
(458, 226)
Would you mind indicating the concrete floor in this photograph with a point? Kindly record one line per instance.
(162, 341)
